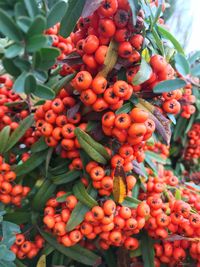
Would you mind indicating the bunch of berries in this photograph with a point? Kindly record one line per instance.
(193, 147)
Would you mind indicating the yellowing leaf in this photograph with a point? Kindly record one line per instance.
(119, 185)
(42, 261)
(110, 60)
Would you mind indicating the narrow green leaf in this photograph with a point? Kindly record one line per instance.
(131, 202)
(4, 136)
(136, 253)
(30, 83)
(44, 92)
(32, 8)
(9, 28)
(149, 161)
(20, 131)
(82, 195)
(14, 50)
(191, 121)
(167, 35)
(77, 252)
(66, 177)
(35, 42)
(155, 157)
(71, 16)
(143, 74)
(181, 64)
(37, 27)
(136, 189)
(63, 197)
(158, 41)
(40, 145)
(177, 194)
(126, 108)
(18, 217)
(62, 82)
(157, 15)
(48, 159)
(147, 250)
(169, 85)
(32, 163)
(180, 128)
(19, 83)
(56, 13)
(79, 211)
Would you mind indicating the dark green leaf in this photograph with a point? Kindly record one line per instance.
(22, 64)
(169, 85)
(182, 64)
(37, 27)
(143, 74)
(10, 67)
(149, 161)
(126, 108)
(20, 10)
(14, 50)
(63, 197)
(130, 202)
(62, 82)
(66, 177)
(20, 131)
(136, 253)
(4, 136)
(45, 58)
(147, 250)
(155, 157)
(32, 163)
(136, 189)
(77, 252)
(35, 42)
(79, 211)
(32, 8)
(18, 217)
(30, 83)
(48, 159)
(71, 16)
(44, 92)
(167, 35)
(45, 195)
(56, 13)
(189, 126)
(134, 8)
(180, 128)
(40, 145)
(24, 23)
(9, 28)
(158, 41)
(82, 195)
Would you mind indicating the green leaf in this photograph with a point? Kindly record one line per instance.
(126, 108)
(136, 189)
(147, 250)
(157, 15)
(44, 92)
(136, 253)
(18, 217)
(131, 202)
(32, 8)
(20, 10)
(134, 8)
(30, 164)
(82, 195)
(62, 82)
(48, 159)
(195, 71)
(14, 50)
(181, 64)
(77, 252)
(37, 27)
(24, 23)
(158, 41)
(22, 64)
(63, 197)
(10, 67)
(56, 13)
(180, 128)
(167, 35)
(6, 254)
(79, 212)
(71, 16)
(177, 194)
(149, 161)
(66, 177)
(45, 58)
(19, 83)
(4, 136)
(169, 85)
(30, 83)
(35, 43)
(20, 131)
(189, 126)
(143, 74)
(9, 28)
(40, 145)
(155, 157)
(195, 56)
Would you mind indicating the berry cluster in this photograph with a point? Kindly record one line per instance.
(9, 191)
(193, 148)
(159, 148)
(187, 101)
(24, 248)
(113, 224)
